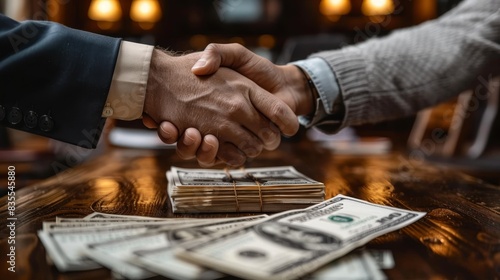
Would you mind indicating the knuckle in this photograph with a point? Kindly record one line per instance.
(237, 46)
(278, 109)
(251, 149)
(231, 156)
(273, 145)
(270, 136)
(212, 47)
(286, 122)
(205, 159)
(235, 107)
(219, 127)
(185, 155)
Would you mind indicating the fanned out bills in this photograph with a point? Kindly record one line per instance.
(309, 243)
(272, 189)
(297, 242)
(66, 239)
(358, 265)
(120, 255)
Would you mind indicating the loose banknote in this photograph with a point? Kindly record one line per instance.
(271, 189)
(64, 241)
(120, 255)
(100, 215)
(294, 243)
(64, 225)
(358, 265)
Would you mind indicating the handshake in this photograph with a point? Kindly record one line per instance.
(225, 104)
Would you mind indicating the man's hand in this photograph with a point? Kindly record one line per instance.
(190, 144)
(244, 117)
(286, 82)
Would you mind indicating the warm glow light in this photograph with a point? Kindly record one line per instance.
(238, 40)
(198, 41)
(377, 7)
(145, 11)
(105, 10)
(335, 7)
(267, 41)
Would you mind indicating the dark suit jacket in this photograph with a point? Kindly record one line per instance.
(54, 80)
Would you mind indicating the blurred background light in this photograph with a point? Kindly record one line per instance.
(267, 41)
(335, 7)
(105, 10)
(145, 11)
(377, 7)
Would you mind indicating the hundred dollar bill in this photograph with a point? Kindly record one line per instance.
(78, 225)
(100, 215)
(118, 255)
(162, 260)
(65, 246)
(293, 243)
(384, 258)
(267, 177)
(354, 266)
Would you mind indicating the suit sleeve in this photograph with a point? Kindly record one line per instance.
(54, 80)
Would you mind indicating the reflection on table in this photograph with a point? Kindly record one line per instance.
(459, 238)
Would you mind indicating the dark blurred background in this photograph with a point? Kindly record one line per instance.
(281, 30)
(188, 25)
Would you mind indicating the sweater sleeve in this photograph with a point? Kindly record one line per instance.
(414, 68)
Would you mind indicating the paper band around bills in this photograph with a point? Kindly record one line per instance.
(226, 170)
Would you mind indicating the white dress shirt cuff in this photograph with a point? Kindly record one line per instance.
(128, 86)
(326, 85)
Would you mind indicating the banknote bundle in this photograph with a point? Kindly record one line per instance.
(272, 189)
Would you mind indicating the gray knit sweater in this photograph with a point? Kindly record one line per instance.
(417, 67)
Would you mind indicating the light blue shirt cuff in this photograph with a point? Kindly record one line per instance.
(325, 81)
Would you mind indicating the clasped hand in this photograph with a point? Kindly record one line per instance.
(223, 105)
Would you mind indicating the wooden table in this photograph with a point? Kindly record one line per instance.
(459, 238)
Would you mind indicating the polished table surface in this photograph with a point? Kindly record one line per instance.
(459, 238)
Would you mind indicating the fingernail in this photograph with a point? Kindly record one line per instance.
(165, 133)
(188, 140)
(207, 147)
(200, 63)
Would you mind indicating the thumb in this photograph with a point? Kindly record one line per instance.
(209, 62)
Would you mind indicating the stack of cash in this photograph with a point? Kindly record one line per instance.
(272, 189)
(308, 243)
